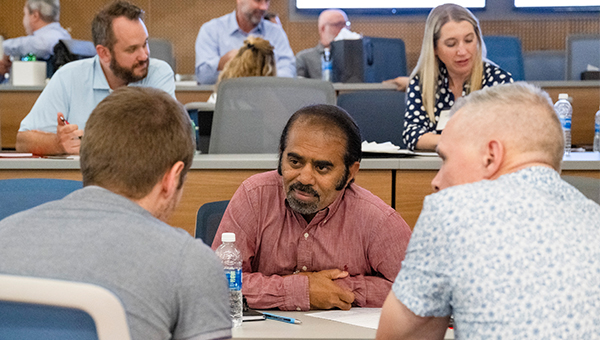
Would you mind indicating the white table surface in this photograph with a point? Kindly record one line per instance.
(311, 328)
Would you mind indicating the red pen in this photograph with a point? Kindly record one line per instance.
(66, 122)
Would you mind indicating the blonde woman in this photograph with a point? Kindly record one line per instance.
(255, 59)
(452, 64)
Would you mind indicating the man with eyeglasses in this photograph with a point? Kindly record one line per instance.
(331, 22)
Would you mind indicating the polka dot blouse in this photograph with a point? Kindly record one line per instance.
(416, 120)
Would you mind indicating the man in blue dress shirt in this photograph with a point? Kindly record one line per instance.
(504, 245)
(220, 38)
(40, 20)
(56, 122)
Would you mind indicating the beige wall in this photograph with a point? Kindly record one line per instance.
(180, 20)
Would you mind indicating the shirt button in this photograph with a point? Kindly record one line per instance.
(305, 235)
(304, 268)
(298, 308)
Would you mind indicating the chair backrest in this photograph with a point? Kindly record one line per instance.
(36, 308)
(201, 114)
(582, 49)
(68, 50)
(251, 112)
(368, 60)
(544, 65)
(25, 193)
(379, 114)
(162, 49)
(385, 58)
(590, 187)
(208, 220)
(506, 52)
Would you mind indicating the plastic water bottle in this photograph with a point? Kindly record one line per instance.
(326, 65)
(231, 258)
(565, 111)
(597, 133)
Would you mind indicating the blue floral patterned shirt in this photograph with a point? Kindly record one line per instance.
(513, 258)
(416, 120)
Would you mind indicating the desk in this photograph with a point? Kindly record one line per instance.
(402, 183)
(312, 328)
(15, 103)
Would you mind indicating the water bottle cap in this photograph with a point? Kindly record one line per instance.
(228, 237)
(563, 96)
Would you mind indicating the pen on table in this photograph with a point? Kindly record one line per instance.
(281, 318)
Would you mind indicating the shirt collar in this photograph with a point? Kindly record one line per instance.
(99, 81)
(233, 27)
(49, 27)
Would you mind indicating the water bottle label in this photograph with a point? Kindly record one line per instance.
(597, 127)
(566, 123)
(234, 277)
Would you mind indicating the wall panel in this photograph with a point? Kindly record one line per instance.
(180, 20)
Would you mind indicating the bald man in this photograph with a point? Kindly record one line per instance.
(331, 22)
(505, 245)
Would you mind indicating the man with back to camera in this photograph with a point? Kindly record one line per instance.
(504, 245)
(310, 238)
(40, 20)
(220, 38)
(330, 23)
(135, 154)
(57, 120)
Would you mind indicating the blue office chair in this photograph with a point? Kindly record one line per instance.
(208, 220)
(378, 114)
(37, 308)
(582, 49)
(506, 52)
(385, 58)
(24, 193)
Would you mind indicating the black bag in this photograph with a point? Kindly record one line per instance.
(69, 50)
(367, 60)
(347, 61)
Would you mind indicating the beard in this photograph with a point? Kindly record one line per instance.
(309, 208)
(304, 208)
(128, 74)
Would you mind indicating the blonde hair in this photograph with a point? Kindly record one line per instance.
(255, 59)
(428, 65)
(502, 110)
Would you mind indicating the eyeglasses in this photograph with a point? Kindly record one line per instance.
(339, 24)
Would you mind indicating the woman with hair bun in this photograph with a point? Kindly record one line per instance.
(255, 59)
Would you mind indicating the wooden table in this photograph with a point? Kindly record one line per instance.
(402, 183)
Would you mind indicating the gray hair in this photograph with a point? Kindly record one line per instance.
(49, 9)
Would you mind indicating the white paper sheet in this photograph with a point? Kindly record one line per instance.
(363, 317)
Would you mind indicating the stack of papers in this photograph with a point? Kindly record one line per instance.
(386, 147)
(389, 148)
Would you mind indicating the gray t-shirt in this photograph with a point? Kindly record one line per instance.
(171, 285)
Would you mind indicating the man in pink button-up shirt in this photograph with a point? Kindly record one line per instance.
(311, 238)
